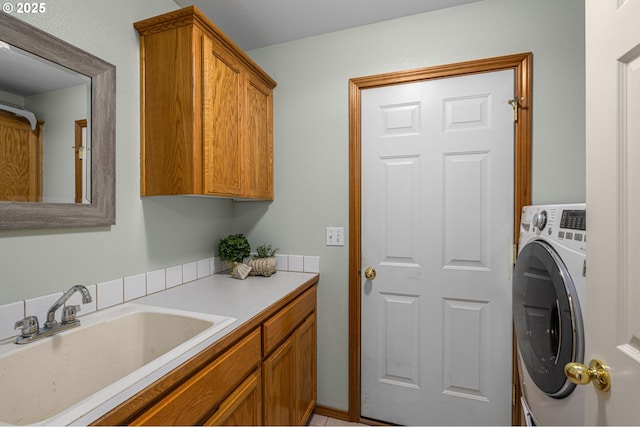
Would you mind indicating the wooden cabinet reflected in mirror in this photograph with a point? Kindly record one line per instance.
(20, 159)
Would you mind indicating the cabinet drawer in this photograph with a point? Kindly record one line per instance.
(276, 329)
(196, 399)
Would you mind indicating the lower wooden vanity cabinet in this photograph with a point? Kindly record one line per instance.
(193, 401)
(289, 369)
(267, 377)
(306, 381)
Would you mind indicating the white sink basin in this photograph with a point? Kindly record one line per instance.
(59, 378)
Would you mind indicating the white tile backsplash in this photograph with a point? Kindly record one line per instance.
(203, 268)
(110, 293)
(76, 299)
(156, 281)
(189, 272)
(40, 305)
(312, 264)
(296, 263)
(174, 276)
(9, 315)
(283, 262)
(114, 292)
(135, 287)
(217, 265)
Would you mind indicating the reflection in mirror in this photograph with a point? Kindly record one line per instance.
(51, 98)
(57, 132)
(82, 150)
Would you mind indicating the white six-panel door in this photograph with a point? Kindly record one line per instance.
(437, 209)
(612, 315)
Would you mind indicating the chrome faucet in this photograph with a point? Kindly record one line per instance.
(30, 330)
(66, 317)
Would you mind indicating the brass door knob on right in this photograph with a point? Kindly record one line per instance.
(597, 373)
(370, 273)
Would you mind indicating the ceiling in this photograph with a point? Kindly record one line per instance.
(257, 23)
(249, 23)
(24, 74)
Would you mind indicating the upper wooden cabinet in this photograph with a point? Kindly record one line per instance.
(207, 111)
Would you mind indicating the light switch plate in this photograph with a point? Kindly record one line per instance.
(335, 236)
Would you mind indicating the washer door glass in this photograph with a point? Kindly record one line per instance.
(547, 318)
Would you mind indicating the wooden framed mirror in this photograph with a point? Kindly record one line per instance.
(100, 209)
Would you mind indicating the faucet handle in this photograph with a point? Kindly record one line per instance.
(69, 313)
(29, 326)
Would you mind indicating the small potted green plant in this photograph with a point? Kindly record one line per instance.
(234, 249)
(264, 262)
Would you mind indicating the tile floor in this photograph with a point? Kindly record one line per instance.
(321, 420)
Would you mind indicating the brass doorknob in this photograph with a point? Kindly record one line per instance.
(582, 375)
(370, 273)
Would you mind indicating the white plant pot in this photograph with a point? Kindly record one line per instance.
(262, 266)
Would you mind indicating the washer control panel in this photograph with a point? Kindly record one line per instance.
(566, 224)
(574, 219)
(539, 220)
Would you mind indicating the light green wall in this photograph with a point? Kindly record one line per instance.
(311, 129)
(59, 110)
(149, 233)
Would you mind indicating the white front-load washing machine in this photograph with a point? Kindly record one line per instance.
(548, 292)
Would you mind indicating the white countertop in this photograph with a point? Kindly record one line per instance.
(218, 294)
(222, 295)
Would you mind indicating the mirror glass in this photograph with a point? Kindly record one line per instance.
(57, 131)
(44, 111)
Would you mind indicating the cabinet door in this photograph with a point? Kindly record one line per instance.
(280, 385)
(168, 135)
(243, 407)
(306, 369)
(20, 160)
(258, 152)
(223, 82)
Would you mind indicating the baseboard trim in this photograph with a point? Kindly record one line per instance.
(338, 414)
(341, 415)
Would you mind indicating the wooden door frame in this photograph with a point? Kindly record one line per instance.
(79, 125)
(522, 66)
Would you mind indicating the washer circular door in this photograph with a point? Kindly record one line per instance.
(547, 318)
